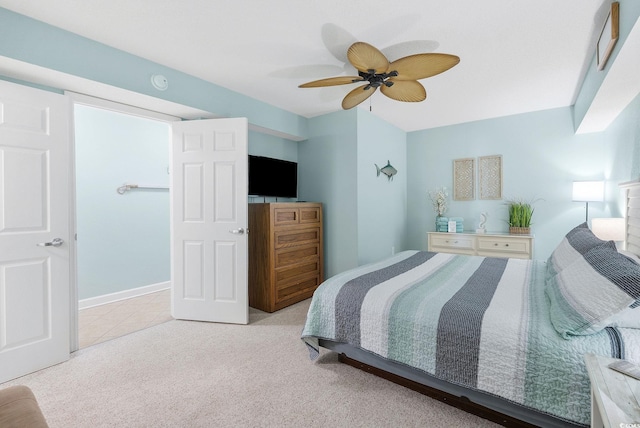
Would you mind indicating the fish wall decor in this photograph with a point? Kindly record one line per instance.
(387, 170)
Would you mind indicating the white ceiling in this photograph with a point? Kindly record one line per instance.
(516, 56)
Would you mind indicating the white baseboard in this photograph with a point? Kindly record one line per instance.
(122, 295)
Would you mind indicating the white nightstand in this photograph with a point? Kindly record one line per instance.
(615, 398)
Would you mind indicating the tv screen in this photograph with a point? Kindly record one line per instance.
(272, 177)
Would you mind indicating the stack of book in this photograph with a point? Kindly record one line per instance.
(442, 224)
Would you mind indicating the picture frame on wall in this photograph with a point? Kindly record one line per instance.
(464, 179)
(490, 177)
(608, 36)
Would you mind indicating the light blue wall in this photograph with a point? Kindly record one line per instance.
(123, 240)
(272, 147)
(35, 42)
(382, 204)
(327, 162)
(365, 215)
(541, 158)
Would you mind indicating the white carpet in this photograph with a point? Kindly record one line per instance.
(192, 374)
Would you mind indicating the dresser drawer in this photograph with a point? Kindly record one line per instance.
(293, 237)
(509, 247)
(306, 285)
(291, 255)
(309, 215)
(286, 216)
(296, 273)
(451, 241)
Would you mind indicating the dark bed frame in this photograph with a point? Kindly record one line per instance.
(484, 405)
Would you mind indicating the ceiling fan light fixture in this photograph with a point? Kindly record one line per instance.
(374, 68)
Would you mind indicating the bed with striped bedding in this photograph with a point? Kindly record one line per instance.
(473, 322)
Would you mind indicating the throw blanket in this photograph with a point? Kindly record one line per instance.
(482, 323)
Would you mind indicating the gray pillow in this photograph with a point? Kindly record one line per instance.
(586, 296)
(573, 246)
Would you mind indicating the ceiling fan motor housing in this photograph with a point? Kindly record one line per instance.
(376, 79)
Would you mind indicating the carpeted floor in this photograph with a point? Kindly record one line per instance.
(192, 374)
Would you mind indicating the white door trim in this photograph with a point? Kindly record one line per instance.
(82, 99)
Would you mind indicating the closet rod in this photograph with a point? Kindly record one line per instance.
(126, 187)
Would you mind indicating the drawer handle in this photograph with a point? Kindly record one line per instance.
(449, 242)
(506, 245)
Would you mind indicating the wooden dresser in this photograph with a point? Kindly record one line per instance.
(285, 253)
(482, 244)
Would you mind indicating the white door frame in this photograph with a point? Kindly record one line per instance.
(90, 101)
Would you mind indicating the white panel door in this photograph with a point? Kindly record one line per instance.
(209, 220)
(34, 229)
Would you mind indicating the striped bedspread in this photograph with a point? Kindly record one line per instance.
(482, 323)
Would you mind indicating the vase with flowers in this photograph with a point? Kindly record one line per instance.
(439, 201)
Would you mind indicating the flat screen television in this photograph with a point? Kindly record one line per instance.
(272, 177)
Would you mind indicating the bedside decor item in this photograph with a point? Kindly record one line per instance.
(463, 179)
(588, 191)
(439, 201)
(483, 222)
(520, 214)
(490, 177)
(387, 170)
(608, 36)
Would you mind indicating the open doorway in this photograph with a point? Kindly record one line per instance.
(122, 220)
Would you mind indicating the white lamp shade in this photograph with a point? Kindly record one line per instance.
(608, 229)
(588, 191)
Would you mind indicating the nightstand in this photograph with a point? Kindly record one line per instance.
(615, 397)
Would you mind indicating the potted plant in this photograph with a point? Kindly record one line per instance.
(520, 214)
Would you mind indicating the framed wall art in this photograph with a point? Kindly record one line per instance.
(464, 179)
(490, 177)
(608, 36)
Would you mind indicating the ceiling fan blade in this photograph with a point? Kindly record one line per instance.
(331, 81)
(365, 57)
(357, 96)
(405, 90)
(403, 49)
(420, 66)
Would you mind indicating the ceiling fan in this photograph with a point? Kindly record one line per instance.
(397, 80)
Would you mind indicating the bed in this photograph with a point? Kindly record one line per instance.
(502, 338)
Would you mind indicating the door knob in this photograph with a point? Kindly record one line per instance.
(239, 231)
(56, 242)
